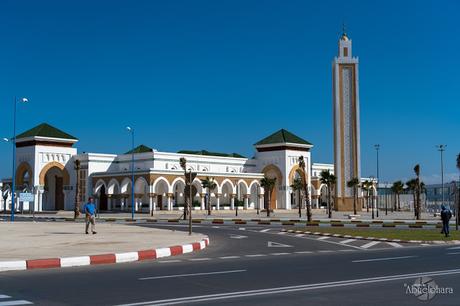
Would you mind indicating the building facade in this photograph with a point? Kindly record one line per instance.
(47, 166)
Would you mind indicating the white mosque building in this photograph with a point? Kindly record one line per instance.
(46, 162)
(46, 159)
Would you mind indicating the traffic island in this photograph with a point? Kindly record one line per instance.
(29, 245)
(415, 235)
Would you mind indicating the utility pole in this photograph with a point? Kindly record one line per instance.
(441, 149)
(377, 148)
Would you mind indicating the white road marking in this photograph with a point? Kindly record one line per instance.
(215, 227)
(303, 252)
(453, 253)
(229, 257)
(242, 228)
(200, 259)
(384, 258)
(347, 241)
(282, 233)
(347, 250)
(168, 261)
(325, 251)
(265, 230)
(16, 302)
(368, 245)
(454, 248)
(238, 236)
(271, 244)
(255, 255)
(287, 289)
(394, 244)
(323, 238)
(279, 254)
(300, 235)
(191, 274)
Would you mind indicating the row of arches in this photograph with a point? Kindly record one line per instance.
(165, 195)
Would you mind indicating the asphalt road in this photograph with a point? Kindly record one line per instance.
(251, 265)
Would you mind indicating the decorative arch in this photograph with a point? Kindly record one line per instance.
(50, 165)
(296, 168)
(137, 185)
(159, 179)
(252, 183)
(279, 179)
(99, 185)
(124, 185)
(241, 181)
(21, 170)
(219, 188)
(112, 185)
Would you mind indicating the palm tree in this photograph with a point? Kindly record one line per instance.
(305, 187)
(210, 184)
(397, 188)
(268, 184)
(458, 195)
(297, 186)
(183, 165)
(354, 183)
(366, 186)
(418, 206)
(412, 187)
(329, 180)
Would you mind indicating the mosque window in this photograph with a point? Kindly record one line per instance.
(345, 52)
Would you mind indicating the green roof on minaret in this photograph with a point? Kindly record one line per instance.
(282, 136)
(45, 130)
(140, 149)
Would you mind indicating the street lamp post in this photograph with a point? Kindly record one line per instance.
(15, 102)
(377, 148)
(441, 149)
(131, 130)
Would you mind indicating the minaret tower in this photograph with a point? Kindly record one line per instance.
(345, 99)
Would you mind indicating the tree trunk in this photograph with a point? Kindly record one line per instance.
(268, 202)
(329, 201)
(300, 203)
(209, 201)
(354, 200)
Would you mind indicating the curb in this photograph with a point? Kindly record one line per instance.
(78, 261)
(372, 238)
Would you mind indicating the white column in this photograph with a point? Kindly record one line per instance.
(122, 202)
(232, 202)
(218, 202)
(202, 202)
(109, 202)
(246, 201)
(169, 203)
(40, 201)
(151, 204)
(136, 204)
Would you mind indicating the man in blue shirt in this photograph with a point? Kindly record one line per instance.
(90, 214)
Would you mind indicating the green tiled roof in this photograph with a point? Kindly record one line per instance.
(140, 149)
(45, 130)
(204, 152)
(282, 136)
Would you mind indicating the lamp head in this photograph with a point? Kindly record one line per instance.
(129, 129)
(5, 139)
(24, 100)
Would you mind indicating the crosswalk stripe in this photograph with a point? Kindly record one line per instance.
(323, 238)
(394, 244)
(368, 245)
(17, 302)
(265, 230)
(347, 241)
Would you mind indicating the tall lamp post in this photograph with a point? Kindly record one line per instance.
(15, 102)
(441, 149)
(377, 148)
(131, 130)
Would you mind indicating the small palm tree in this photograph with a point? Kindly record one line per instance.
(305, 187)
(397, 188)
(366, 186)
(210, 184)
(329, 180)
(297, 186)
(412, 187)
(268, 184)
(354, 183)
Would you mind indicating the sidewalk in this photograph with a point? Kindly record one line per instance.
(54, 243)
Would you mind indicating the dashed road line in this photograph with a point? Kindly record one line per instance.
(279, 254)
(384, 258)
(304, 252)
(255, 255)
(200, 259)
(265, 230)
(191, 274)
(169, 261)
(323, 238)
(229, 257)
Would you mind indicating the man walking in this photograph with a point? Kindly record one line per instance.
(446, 214)
(90, 213)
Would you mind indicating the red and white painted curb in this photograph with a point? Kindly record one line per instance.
(64, 262)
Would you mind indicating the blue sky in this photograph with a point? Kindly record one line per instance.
(221, 75)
